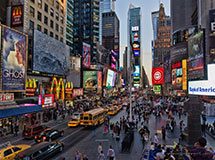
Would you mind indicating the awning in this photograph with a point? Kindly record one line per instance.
(19, 111)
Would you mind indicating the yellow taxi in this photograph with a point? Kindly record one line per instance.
(10, 151)
(75, 121)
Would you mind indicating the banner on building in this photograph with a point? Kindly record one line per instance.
(6, 97)
(17, 16)
(184, 74)
(158, 75)
(13, 60)
(177, 75)
(78, 92)
(212, 36)
(196, 57)
(46, 100)
(86, 61)
(90, 80)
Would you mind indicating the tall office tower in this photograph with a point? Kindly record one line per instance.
(110, 37)
(86, 27)
(155, 19)
(125, 68)
(69, 24)
(3, 11)
(163, 40)
(134, 43)
(105, 6)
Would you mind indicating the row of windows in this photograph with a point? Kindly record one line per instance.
(45, 30)
(57, 17)
(47, 21)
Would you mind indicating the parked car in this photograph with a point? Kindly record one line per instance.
(10, 151)
(48, 135)
(42, 151)
(31, 131)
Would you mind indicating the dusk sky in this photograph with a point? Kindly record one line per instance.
(147, 6)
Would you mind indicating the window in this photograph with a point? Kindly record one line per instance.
(56, 37)
(57, 17)
(62, 1)
(33, 1)
(32, 11)
(61, 39)
(52, 2)
(57, 27)
(40, 4)
(46, 8)
(51, 24)
(39, 28)
(52, 12)
(61, 19)
(39, 16)
(31, 24)
(45, 31)
(46, 20)
(57, 5)
(61, 30)
(15, 149)
(61, 9)
(7, 152)
(51, 34)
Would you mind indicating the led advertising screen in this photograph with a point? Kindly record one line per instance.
(196, 59)
(111, 77)
(17, 15)
(90, 80)
(177, 76)
(157, 75)
(204, 87)
(50, 55)
(86, 55)
(212, 36)
(14, 63)
(136, 70)
(157, 89)
(99, 81)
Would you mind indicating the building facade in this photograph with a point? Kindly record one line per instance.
(134, 43)
(105, 6)
(86, 26)
(69, 24)
(3, 11)
(110, 37)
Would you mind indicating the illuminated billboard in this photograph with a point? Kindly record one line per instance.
(17, 15)
(90, 80)
(86, 55)
(111, 77)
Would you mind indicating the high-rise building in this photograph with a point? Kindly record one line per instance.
(3, 11)
(69, 24)
(163, 41)
(134, 43)
(86, 26)
(125, 68)
(110, 36)
(105, 6)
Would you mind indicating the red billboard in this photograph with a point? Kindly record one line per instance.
(158, 75)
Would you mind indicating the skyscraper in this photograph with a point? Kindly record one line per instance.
(86, 26)
(104, 6)
(69, 24)
(134, 43)
(110, 36)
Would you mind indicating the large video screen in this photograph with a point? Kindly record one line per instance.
(50, 55)
(90, 80)
(111, 77)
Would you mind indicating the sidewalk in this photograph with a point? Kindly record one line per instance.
(13, 139)
(90, 144)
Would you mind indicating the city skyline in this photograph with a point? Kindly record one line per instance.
(147, 31)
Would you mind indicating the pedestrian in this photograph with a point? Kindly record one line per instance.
(100, 148)
(111, 153)
(101, 156)
(156, 140)
(78, 155)
(16, 129)
(163, 131)
(85, 157)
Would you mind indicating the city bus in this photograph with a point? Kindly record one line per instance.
(93, 117)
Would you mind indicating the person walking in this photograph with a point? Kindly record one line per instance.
(100, 148)
(78, 155)
(156, 140)
(163, 131)
(101, 156)
(111, 153)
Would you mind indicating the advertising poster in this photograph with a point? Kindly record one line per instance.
(50, 55)
(13, 61)
(78, 92)
(136, 70)
(111, 76)
(99, 81)
(157, 89)
(177, 76)
(90, 80)
(158, 75)
(196, 55)
(212, 20)
(184, 74)
(46, 100)
(16, 15)
(86, 55)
